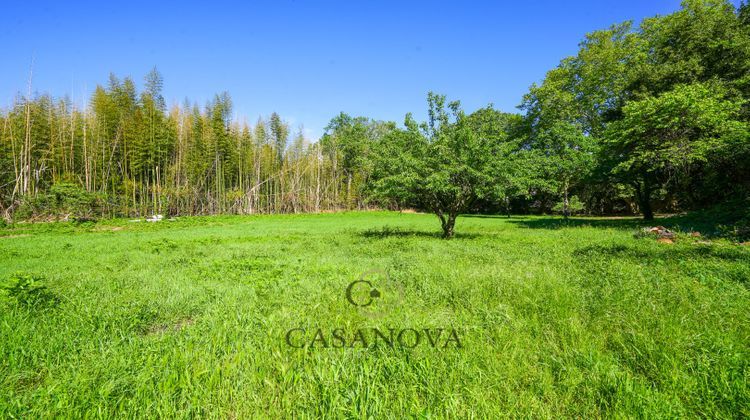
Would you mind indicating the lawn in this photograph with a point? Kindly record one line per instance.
(191, 318)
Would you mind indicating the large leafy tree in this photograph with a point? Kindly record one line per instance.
(442, 165)
(564, 157)
(588, 89)
(705, 40)
(661, 138)
(348, 141)
(567, 114)
(512, 168)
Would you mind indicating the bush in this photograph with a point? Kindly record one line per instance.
(62, 199)
(575, 206)
(29, 291)
(31, 207)
(739, 231)
(67, 198)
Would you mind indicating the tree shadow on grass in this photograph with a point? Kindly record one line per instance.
(711, 223)
(395, 232)
(607, 223)
(491, 216)
(665, 253)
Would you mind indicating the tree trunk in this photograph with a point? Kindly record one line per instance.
(543, 203)
(349, 191)
(447, 223)
(643, 194)
(648, 213)
(566, 203)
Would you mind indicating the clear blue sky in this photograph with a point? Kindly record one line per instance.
(306, 60)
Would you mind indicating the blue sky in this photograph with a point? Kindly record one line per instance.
(306, 60)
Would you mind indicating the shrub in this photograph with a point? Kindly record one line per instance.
(70, 198)
(62, 199)
(29, 291)
(575, 206)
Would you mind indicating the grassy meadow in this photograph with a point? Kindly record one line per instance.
(187, 318)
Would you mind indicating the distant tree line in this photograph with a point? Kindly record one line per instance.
(643, 119)
(126, 154)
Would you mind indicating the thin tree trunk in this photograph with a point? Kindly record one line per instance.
(566, 203)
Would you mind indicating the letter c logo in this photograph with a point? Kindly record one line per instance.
(289, 337)
(374, 293)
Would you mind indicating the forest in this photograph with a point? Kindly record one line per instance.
(643, 119)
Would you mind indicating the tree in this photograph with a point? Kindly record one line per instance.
(743, 14)
(630, 118)
(279, 135)
(564, 156)
(348, 140)
(588, 89)
(706, 41)
(661, 138)
(440, 165)
(703, 41)
(510, 166)
(154, 86)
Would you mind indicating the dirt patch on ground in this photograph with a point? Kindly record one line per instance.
(108, 228)
(20, 235)
(29, 380)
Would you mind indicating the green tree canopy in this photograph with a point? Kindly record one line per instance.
(441, 165)
(661, 138)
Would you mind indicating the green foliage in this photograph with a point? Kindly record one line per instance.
(63, 199)
(71, 198)
(661, 104)
(729, 220)
(574, 206)
(677, 129)
(664, 137)
(512, 168)
(444, 167)
(563, 157)
(702, 41)
(349, 143)
(139, 158)
(279, 135)
(650, 117)
(29, 291)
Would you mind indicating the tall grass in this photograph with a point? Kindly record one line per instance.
(187, 318)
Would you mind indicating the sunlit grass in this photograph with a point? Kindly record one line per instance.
(188, 317)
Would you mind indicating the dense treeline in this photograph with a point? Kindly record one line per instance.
(642, 119)
(653, 118)
(663, 107)
(126, 154)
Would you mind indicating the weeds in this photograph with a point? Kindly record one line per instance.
(29, 291)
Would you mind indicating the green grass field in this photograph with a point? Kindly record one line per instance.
(188, 318)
